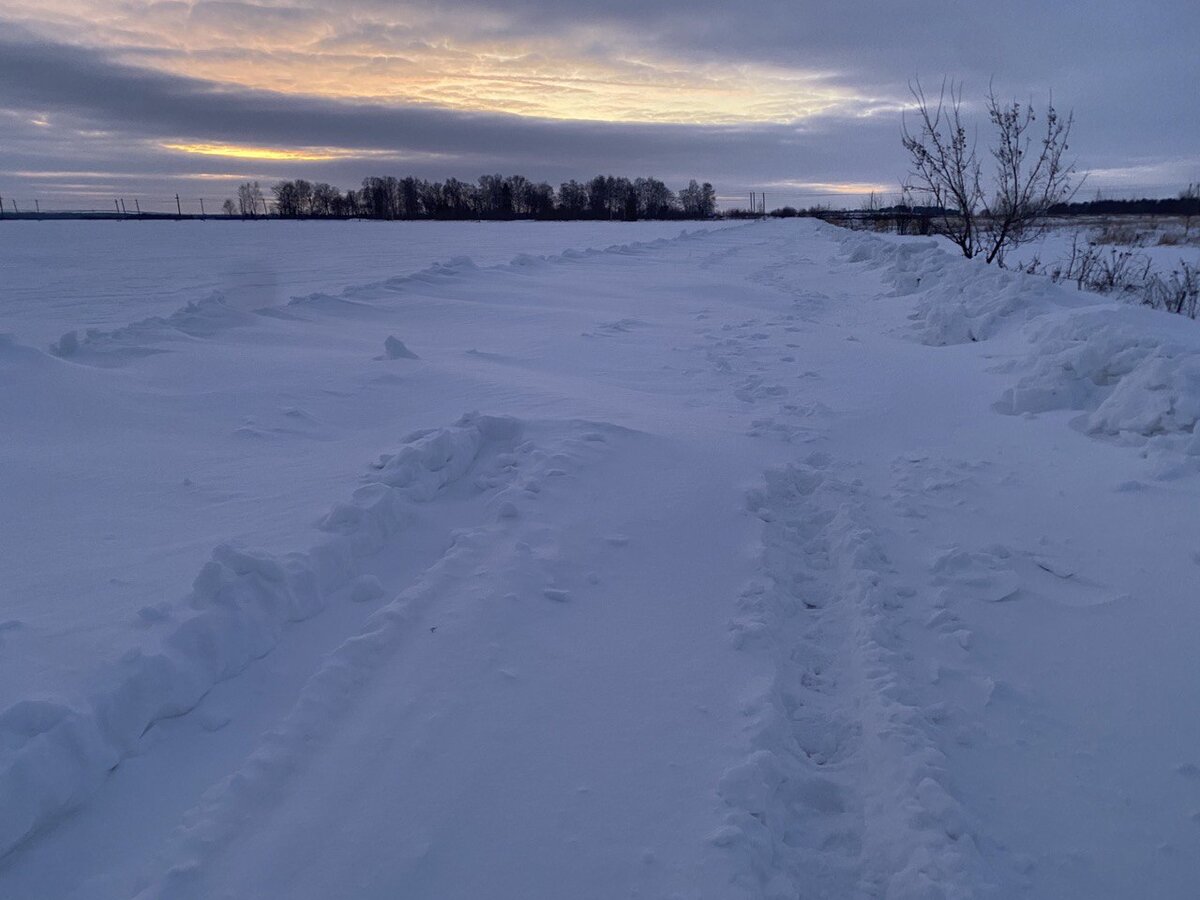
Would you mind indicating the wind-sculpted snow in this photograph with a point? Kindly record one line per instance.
(198, 319)
(957, 300)
(208, 317)
(780, 572)
(462, 268)
(426, 463)
(1131, 373)
(53, 756)
(71, 275)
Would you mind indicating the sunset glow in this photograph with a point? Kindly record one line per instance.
(797, 99)
(409, 57)
(309, 154)
(538, 85)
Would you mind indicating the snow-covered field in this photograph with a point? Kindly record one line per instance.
(766, 561)
(63, 276)
(1161, 241)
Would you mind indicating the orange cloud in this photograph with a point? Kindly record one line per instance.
(408, 56)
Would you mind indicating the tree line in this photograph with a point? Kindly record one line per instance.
(491, 197)
(1183, 205)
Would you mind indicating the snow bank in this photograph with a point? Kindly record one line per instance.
(463, 267)
(15, 356)
(197, 319)
(958, 300)
(53, 755)
(1133, 372)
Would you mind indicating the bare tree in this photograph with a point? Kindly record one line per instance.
(1189, 195)
(698, 201)
(250, 197)
(945, 169)
(987, 218)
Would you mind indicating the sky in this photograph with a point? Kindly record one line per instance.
(800, 100)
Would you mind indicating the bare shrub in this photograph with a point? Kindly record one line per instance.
(1113, 233)
(1178, 292)
(1126, 272)
(987, 216)
(1190, 195)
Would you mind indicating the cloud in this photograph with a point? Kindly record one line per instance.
(790, 93)
(82, 90)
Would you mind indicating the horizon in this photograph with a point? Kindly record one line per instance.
(141, 99)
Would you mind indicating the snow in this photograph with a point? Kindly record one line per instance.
(760, 561)
(64, 275)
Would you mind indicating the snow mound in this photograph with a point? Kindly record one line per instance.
(513, 462)
(198, 319)
(15, 356)
(985, 574)
(394, 348)
(52, 755)
(1135, 373)
(958, 300)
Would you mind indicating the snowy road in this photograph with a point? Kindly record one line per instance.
(771, 562)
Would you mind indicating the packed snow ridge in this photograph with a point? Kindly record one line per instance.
(779, 561)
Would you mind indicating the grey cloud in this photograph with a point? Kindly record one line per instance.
(1129, 70)
(135, 103)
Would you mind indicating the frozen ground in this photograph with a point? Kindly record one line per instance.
(770, 562)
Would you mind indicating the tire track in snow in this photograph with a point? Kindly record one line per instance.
(847, 792)
(251, 792)
(54, 756)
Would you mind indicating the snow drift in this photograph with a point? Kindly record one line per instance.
(52, 756)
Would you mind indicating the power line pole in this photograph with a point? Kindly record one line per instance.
(203, 215)
(137, 206)
(178, 208)
(38, 206)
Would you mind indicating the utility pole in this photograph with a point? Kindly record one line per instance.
(137, 206)
(117, 206)
(203, 215)
(37, 204)
(124, 211)
(178, 208)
